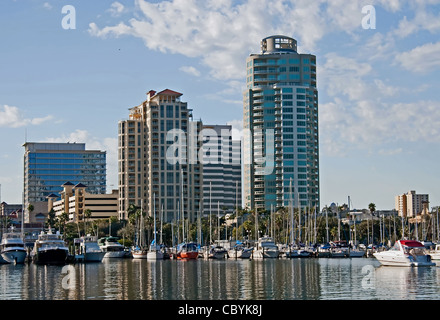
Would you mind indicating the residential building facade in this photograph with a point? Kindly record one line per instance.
(411, 204)
(48, 165)
(221, 169)
(281, 145)
(158, 166)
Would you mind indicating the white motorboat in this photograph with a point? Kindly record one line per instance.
(111, 247)
(89, 250)
(239, 251)
(266, 249)
(435, 253)
(50, 248)
(13, 248)
(405, 253)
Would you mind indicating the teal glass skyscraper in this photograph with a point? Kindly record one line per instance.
(281, 144)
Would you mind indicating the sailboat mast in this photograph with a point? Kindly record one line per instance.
(161, 225)
(154, 208)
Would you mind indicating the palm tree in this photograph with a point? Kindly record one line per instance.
(30, 210)
(87, 215)
(51, 218)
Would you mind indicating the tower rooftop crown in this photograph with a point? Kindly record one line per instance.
(277, 44)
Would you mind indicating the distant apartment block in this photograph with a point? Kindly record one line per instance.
(151, 174)
(10, 213)
(75, 201)
(221, 169)
(48, 165)
(411, 204)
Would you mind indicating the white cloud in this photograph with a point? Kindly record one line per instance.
(421, 59)
(47, 6)
(116, 9)
(368, 124)
(223, 33)
(344, 76)
(237, 129)
(12, 117)
(423, 19)
(190, 70)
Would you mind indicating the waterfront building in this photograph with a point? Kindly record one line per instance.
(221, 169)
(157, 158)
(48, 165)
(281, 146)
(75, 200)
(411, 204)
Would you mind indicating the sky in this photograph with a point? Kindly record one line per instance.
(69, 74)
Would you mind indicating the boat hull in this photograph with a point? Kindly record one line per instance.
(266, 254)
(14, 256)
(188, 255)
(435, 256)
(51, 256)
(114, 254)
(240, 254)
(94, 256)
(401, 260)
(139, 255)
(356, 254)
(154, 255)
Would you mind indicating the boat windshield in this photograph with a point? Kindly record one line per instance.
(415, 251)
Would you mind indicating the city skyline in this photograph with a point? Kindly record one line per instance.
(378, 107)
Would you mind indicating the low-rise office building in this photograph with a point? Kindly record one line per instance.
(75, 200)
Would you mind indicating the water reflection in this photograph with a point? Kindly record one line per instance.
(303, 279)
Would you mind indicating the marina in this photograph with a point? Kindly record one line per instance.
(220, 279)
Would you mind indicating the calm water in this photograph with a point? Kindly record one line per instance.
(306, 279)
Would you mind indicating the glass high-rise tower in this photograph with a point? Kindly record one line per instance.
(281, 149)
(47, 166)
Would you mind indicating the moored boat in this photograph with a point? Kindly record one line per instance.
(89, 250)
(111, 247)
(50, 248)
(217, 252)
(405, 253)
(12, 248)
(239, 251)
(155, 252)
(188, 251)
(266, 249)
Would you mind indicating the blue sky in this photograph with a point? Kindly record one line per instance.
(379, 96)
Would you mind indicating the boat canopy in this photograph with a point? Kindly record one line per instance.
(411, 243)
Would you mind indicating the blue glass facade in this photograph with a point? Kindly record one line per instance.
(47, 166)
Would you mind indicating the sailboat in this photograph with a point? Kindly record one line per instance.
(217, 251)
(140, 252)
(154, 253)
(354, 252)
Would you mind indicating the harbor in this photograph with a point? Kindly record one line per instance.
(280, 279)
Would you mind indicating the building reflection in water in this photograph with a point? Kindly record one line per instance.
(282, 279)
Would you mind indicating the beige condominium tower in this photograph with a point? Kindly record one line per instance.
(281, 146)
(158, 163)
